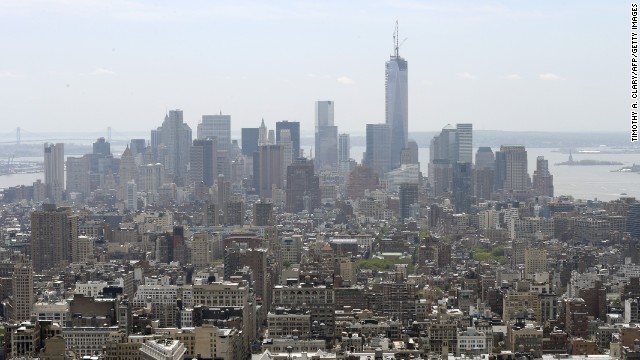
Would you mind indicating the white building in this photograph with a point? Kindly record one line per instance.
(163, 349)
(91, 288)
(472, 342)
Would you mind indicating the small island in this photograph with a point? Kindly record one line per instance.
(587, 162)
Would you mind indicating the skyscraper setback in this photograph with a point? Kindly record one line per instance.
(397, 102)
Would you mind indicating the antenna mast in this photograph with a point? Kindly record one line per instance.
(396, 37)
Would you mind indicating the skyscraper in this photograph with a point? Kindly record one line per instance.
(344, 148)
(378, 153)
(408, 197)
(294, 131)
(443, 153)
(284, 139)
(542, 178)
(150, 178)
(263, 134)
(175, 136)
(397, 102)
(218, 126)
(345, 163)
(450, 159)
(326, 137)
(102, 147)
(462, 186)
(303, 187)
(410, 155)
(54, 232)
(267, 169)
(324, 113)
(78, 175)
(54, 171)
(511, 169)
(326, 155)
(204, 161)
(128, 172)
(465, 142)
(633, 220)
(250, 140)
(484, 173)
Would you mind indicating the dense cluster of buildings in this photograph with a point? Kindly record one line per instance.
(214, 248)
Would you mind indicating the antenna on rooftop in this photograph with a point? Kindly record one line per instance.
(395, 39)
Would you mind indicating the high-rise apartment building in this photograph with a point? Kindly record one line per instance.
(397, 103)
(294, 132)
(54, 233)
(511, 169)
(378, 148)
(54, 171)
(249, 139)
(303, 187)
(175, 138)
(218, 126)
(542, 178)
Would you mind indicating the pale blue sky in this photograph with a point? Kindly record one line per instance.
(512, 65)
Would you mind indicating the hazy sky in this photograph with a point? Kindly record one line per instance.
(83, 65)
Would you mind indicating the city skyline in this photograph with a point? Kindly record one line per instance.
(517, 72)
